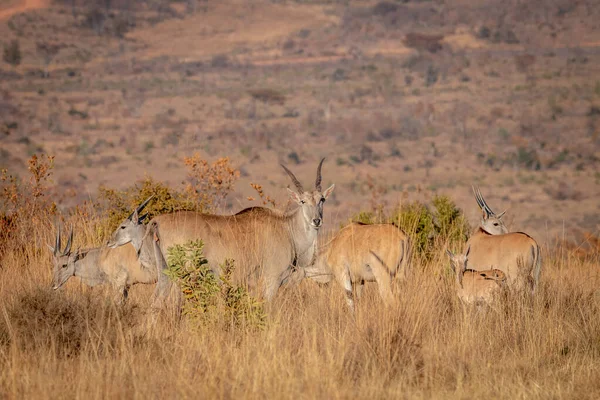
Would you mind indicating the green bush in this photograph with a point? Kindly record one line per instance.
(417, 221)
(12, 53)
(116, 205)
(209, 300)
(450, 223)
(430, 228)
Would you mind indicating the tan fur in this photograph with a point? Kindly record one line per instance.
(365, 253)
(516, 254)
(264, 244)
(119, 268)
(123, 262)
(491, 246)
(252, 239)
(472, 286)
(480, 286)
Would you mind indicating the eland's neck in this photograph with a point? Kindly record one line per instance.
(139, 238)
(303, 234)
(88, 269)
(481, 231)
(146, 252)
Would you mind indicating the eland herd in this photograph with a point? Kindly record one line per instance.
(273, 248)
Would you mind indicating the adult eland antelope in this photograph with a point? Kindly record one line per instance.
(362, 253)
(516, 254)
(473, 286)
(263, 243)
(119, 268)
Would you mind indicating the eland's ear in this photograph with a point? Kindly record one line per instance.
(501, 214)
(51, 249)
(468, 251)
(135, 218)
(328, 191)
(142, 218)
(294, 196)
(484, 215)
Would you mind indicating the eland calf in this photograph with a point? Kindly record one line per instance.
(362, 253)
(474, 287)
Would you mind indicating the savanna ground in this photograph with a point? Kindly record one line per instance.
(406, 99)
(76, 343)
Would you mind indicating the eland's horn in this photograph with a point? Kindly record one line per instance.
(69, 243)
(485, 204)
(481, 201)
(318, 181)
(141, 207)
(57, 240)
(294, 179)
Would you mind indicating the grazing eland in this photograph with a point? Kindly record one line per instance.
(264, 243)
(516, 254)
(119, 268)
(361, 253)
(473, 287)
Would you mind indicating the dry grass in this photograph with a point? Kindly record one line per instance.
(74, 343)
(165, 92)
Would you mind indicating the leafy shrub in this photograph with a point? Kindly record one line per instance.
(417, 221)
(563, 191)
(450, 222)
(115, 205)
(12, 53)
(209, 300)
(25, 206)
(430, 230)
(94, 19)
(369, 217)
(384, 7)
(431, 76)
(271, 96)
(422, 41)
(220, 61)
(528, 158)
(208, 185)
(364, 217)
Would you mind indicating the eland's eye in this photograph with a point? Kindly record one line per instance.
(122, 227)
(64, 265)
(495, 224)
(302, 201)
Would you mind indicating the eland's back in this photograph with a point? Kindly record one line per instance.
(516, 253)
(251, 238)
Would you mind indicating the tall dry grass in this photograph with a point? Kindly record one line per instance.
(76, 343)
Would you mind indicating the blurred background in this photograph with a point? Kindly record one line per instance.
(406, 99)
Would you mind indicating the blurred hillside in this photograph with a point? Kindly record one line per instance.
(406, 99)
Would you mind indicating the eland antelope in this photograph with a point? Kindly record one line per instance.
(473, 286)
(362, 253)
(263, 243)
(119, 268)
(516, 254)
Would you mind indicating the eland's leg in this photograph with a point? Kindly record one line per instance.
(383, 279)
(345, 282)
(358, 289)
(119, 285)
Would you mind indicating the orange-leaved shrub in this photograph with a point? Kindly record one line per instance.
(26, 208)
